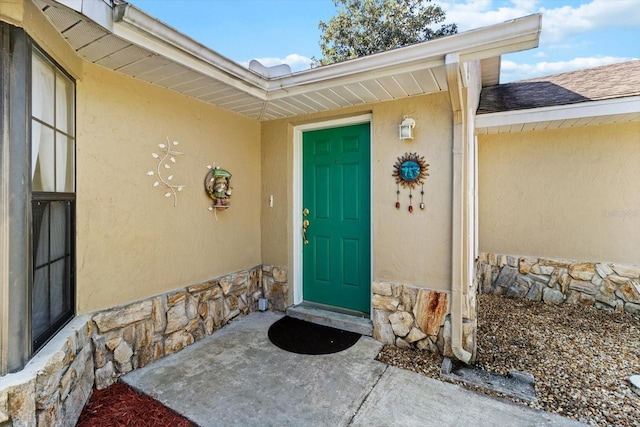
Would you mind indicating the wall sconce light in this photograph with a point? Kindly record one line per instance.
(406, 128)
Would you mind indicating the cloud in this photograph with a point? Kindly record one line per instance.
(558, 23)
(511, 71)
(566, 21)
(295, 61)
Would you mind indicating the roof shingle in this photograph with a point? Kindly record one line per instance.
(594, 84)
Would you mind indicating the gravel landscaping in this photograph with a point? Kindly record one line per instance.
(581, 357)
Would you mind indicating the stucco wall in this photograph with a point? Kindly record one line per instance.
(131, 241)
(408, 248)
(564, 193)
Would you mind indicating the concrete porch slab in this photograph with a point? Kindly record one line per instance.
(236, 377)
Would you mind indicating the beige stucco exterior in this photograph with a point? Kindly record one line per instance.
(407, 248)
(564, 193)
(131, 241)
(158, 247)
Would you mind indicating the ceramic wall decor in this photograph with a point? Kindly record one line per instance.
(217, 185)
(410, 171)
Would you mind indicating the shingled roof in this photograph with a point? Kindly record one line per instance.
(595, 84)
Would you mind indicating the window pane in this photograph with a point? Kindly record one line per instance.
(40, 301)
(42, 157)
(42, 89)
(64, 163)
(64, 104)
(57, 294)
(41, 233)
(58, 230)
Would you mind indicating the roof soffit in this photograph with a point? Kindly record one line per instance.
(152, 46)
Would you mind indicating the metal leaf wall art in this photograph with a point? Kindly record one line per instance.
(166, 159)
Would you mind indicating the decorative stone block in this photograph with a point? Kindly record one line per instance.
(554, 262)
(176, 298)
(552, 296)
(401, 323)
(400, 343)
(176, 317)
(158, 314)
(48, 380)
(22, 404)
(177, 341)
(383, 289)
(630, 271)
(408, 297)
(195, 289)
(582, 286)
(525, 264)
(632, 308)
(109, 320)
(430, 310)
(279, 274)
(4, 406)
(519, 288)
(382, 330)
(385, 303)
(582, 271)
(415, 335)
(78, 397)
(603, 270)
(506, 277)
(535, 292)
(629, 292)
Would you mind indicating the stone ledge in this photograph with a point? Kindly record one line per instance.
(43, 357)
(95, 349)
(606, 286)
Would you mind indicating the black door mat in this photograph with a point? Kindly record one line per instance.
(302, 337)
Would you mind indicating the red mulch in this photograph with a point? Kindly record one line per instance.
(119, 405)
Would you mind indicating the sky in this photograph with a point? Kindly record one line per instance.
(576, 34)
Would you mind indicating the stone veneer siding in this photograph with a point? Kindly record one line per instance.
(96, 349)
(606, 286)
(412, 317)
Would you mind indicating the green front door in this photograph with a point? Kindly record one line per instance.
(336, 201)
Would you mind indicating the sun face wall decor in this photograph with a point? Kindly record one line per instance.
(410, 171)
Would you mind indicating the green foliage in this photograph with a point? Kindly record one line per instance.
(364, 27)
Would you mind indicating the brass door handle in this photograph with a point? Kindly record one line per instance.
(305, 225)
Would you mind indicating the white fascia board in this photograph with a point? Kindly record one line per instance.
(135, 26)
(511, 36)
(607, 107)
(139, 28)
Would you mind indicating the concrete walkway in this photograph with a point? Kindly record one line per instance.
(236, 377)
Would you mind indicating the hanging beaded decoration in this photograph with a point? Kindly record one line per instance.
(409, 171)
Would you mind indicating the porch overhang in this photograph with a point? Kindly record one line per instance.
(123, 38)
(609, 111)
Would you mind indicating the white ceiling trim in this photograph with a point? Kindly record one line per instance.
(570, 115)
